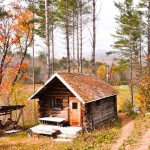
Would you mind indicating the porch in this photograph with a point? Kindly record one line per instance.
(55, 128)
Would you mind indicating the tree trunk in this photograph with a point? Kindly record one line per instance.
(77, 23)
(148, 54)
(80, 36)
(131, 68)
(33, 62)
(53, 55)
(73, 41)
(47, 38)
(67, 35)
(94, 37)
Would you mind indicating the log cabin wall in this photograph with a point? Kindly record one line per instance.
(100, 111)
(46, 110)
(55, 91)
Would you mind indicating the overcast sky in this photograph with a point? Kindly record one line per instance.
(106, 26)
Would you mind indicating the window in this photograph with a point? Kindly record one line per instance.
(57, 104)
(74, 105)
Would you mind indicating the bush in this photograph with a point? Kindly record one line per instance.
(107, 137)
(128, 108)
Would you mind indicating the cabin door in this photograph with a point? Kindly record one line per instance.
(75, 113)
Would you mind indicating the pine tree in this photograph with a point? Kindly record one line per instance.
(127, 37)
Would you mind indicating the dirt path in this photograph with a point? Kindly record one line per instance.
(126, 128)
(144, 143)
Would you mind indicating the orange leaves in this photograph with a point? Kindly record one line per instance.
(22, 67)
(24, 21)
(26, 76)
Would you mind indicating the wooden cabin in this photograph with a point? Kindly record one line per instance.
(83, 100)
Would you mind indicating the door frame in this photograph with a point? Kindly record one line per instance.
(74, 113)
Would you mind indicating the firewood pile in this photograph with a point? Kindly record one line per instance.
(8, 125)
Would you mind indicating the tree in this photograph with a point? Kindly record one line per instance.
(144, 93)
(47, 37)
(101, 72)
(127, 37)
(94, 37)
(15, 35)
(68, 16)
(146, 4)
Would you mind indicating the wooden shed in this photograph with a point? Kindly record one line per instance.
(83, 100)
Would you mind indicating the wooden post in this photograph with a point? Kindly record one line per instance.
(23, 119)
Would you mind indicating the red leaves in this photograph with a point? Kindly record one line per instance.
(1, 75)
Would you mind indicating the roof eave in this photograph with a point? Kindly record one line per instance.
(34, 94)
(100, 98)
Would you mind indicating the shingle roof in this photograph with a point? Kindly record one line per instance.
(87, 88)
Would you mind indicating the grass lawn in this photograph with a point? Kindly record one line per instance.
(124, 95)
(96, 140)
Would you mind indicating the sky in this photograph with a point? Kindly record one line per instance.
(106, 26)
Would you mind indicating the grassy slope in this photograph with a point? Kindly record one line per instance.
(142, 123)
(91, 141)
(124, 94)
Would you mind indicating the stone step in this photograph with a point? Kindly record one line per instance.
(67, 136)
(62, 140)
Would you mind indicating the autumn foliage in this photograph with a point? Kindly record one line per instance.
(15, 36)
(144, 92)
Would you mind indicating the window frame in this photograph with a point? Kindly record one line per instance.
(57, 103)
(76, 107)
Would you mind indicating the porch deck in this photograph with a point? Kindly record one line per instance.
(64, 134)
(56, 129)
(50, 129)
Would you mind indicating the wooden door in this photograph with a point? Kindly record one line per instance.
(75, 113)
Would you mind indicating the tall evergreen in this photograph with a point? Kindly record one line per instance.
(127, 37)
(146, 4)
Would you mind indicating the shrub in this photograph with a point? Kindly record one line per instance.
(128, 108)
(144, 92)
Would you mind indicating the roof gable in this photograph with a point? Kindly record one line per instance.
(63, 81)
(86, 88)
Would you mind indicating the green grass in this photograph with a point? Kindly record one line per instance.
(98, 139)
(124, 95)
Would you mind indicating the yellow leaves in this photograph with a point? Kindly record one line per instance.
(144, 91)
(101, 72)
(139, 97)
